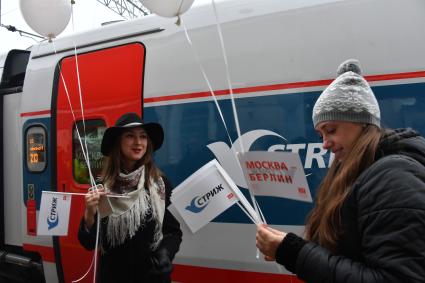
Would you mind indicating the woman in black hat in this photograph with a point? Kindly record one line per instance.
(139, 237)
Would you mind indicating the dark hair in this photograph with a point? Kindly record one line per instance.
(324, 225)
(113, 163)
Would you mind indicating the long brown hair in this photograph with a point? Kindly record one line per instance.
(113, 163)
(324, 225)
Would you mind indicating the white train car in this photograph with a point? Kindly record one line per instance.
(281, 55)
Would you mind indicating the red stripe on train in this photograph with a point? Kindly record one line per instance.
(196, 274)
(373, 78)
(387, 77)
(35, 113)
(238, 90)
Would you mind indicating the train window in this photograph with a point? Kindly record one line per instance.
(94, 130)
(36, 149)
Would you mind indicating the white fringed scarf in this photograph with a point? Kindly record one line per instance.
(127, 215)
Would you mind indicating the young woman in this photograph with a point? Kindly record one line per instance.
(139, 237)
(368, 224)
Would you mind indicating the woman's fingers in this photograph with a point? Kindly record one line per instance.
(92, 198)
(96, 193)
(276, 232)
(267, 241)
(262, 238)
(100, 190)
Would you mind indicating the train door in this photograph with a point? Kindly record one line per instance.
(111, 83)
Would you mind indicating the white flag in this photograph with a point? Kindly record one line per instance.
(203, 196)
(277, 174)
(53, 217)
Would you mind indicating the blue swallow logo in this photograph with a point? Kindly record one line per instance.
(199, 203)
(53, 218)
(194, 208)
(52, 224)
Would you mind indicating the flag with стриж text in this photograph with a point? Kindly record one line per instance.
(204, 195)
(53, 218)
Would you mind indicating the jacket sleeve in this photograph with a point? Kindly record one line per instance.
(87, 237)
(172, 234)
(391, 221)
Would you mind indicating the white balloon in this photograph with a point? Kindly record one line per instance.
(47, 17)
(168, 8)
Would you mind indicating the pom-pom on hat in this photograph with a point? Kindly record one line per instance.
(131, 120)
(348, 98)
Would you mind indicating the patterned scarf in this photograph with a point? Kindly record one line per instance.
(127, 215)
(127, 183)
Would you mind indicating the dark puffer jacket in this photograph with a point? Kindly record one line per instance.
(383, 222)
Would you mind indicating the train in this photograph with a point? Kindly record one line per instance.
(281, 55)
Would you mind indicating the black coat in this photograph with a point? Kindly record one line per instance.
(131, 261)
(383, 221)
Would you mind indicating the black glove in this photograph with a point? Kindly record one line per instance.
(161, 263)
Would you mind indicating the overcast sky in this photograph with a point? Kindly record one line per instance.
(88, 14)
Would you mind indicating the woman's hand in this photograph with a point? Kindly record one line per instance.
(92, 201)
(268, 239)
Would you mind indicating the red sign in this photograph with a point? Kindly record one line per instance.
(31, 217)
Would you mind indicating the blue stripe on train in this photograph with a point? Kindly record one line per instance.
(190, 127)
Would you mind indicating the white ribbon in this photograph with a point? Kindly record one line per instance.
(257, 210)
(84, 147)
(235, 114)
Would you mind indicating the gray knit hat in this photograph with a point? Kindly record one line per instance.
(348, 98)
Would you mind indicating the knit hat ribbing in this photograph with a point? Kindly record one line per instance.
(348, 98)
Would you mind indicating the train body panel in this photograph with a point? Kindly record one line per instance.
(12, 166)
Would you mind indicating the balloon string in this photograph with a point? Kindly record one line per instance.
(261, 213)
(178, 22)
(201, 67)
(235, 114)
(84, 149)
(83, 194)
(85, 143)
(94, 259)
(85, 155)
(81, 98)
(81, 278)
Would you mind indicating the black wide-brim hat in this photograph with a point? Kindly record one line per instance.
(131, 120)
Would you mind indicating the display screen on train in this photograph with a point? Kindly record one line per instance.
(36, 149)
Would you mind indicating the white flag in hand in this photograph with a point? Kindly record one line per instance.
(277, 174)
(53, 217)
(203, 196)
